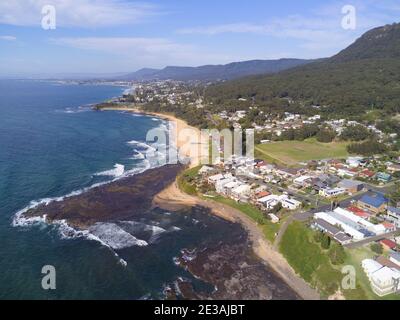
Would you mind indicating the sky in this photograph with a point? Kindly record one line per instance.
(117, 36)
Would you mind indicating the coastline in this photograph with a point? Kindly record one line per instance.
(179, 125)
(172, 198)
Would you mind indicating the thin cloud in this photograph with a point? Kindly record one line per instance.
(318, 34)
(152, 52)
(76, 13)
(8, 38)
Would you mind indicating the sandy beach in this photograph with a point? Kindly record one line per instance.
(172, 198)
(190, 141)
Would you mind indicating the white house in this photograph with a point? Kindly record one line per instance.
(291, 204)
(384, 281)
(331, 193)
(348, 226)
(241, 192)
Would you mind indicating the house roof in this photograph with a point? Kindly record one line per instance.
(350, 183)
(375, 201)
(395, 256)
(327, 226)
(262, 194)
(387, 263)
(358, 212)
(389, 243)
(394, 210)
(388, 225)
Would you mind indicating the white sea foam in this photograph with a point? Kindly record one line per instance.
(138, 155)
(118, 171)
(115, 237)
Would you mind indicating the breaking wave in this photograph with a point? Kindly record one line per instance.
(118, 171)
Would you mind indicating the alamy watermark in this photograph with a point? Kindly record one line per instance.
(49, 17)
(349, 20)
(49, 279)
(203, 146)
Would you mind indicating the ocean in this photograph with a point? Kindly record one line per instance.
(52, 144)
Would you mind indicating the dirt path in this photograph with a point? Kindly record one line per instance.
(173, 198)
(282, 231)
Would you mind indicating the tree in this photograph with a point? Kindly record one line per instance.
(337, 255)
(325, 242)
(367, 148)
(377, 248)
(326, 135)
(356, 133)
(318, 236)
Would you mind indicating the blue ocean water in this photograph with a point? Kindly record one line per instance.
(52, 143)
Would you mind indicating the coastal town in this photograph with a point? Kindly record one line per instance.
(348, 199)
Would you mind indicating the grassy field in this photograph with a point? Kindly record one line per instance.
(292, 152)
(269, 229)
(308, 259)
(185, 181)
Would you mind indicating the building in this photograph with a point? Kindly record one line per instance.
(206, 170)
(269, 202)
(394, 168)
(383, 177)
(375, 203)
(351, 186)
(388, 244)
(241, 193)
(274, 218)
(374, 229)
(331, 193)
(333, 231)
(348, 226)
(384, 280)
(395, 258)
(393, 215)
(290, 204)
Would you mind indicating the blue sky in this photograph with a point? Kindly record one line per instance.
(106, 36)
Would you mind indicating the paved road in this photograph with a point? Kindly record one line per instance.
(362, 243)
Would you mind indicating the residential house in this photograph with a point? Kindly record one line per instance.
(395, 167)
(291, 204)
(331, 193)
(383, 177)
(241, 193)
(384, 280)
(351, 186)
(375, 203)
(395, 258)
(333, 231)
(388, 244)
(393, 215)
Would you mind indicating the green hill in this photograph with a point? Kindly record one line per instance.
(365, 76)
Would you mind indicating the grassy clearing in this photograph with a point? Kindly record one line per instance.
(269, 229)
(309, 260)
(186, 179)
(292, 152)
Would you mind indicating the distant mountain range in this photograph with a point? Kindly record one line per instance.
(216, 72)
(364, 76)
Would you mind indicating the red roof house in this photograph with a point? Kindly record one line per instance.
(389, 244)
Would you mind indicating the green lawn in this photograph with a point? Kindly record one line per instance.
(292, 152)
(186, 179)
(309, 260)
(269, 229)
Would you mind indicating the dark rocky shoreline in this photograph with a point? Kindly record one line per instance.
(234, 271)
(230, 267)
(117, 200)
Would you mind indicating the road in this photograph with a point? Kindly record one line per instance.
(362, 243)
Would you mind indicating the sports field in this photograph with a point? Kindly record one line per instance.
(293, 152)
